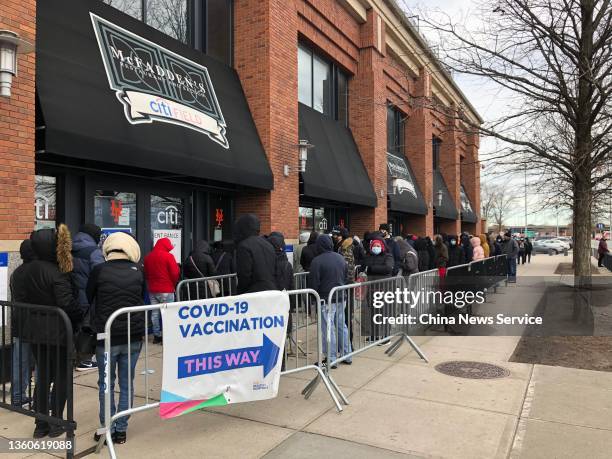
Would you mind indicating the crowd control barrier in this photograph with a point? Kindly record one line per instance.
(350, 316)
(37, 351)
(307, 335)
(200, 288)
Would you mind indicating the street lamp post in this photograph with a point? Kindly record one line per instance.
(557, 213)
(525, 231)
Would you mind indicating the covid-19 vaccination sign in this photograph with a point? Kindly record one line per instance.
(222, 351)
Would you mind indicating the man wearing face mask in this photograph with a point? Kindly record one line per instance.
(455, 253)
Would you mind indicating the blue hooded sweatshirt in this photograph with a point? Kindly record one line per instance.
(86, 255)
(328, 269)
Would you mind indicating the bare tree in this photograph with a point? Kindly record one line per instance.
(555, 56)
(487, 198)
(503, 199)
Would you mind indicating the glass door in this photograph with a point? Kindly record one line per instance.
(167, 221)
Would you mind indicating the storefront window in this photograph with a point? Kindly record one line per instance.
(219, 30)
(167, 221)
(220, 217)
(115, 211)
(304, 76)
(44, 202)
(131, 7)
(306, 219)
(321, 222)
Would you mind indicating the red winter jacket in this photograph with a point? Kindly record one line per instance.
(161, 270)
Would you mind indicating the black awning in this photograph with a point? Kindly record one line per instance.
(403, 190)
(334, 169)
(443, 202)
(113, 89)
(467, 210)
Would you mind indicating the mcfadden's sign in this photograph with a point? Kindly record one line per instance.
(155, 84)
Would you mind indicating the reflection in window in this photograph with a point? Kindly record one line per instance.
(304, 76)
(436, 145)
(395, 131)
(321, 85)
(306, 219)
(131, 7)
(169, 17)
(44, 202)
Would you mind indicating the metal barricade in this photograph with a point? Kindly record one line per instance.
(199, 288)
(425, 281)
(353, 319)
(300, 280)
(38, 340)
(501, 270)
(307, 334)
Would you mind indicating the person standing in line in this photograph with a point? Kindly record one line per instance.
(344, 245)
(391, 246)
(199, 264)
(329, 270)
(309, 252)
(441, 249)
(455, 254)
(225, 263)
(528, 249)
(499, 242)
(297, 253)
(86, 255)
(477, 250)
(22, 351)
(46, 281)
(484, 243)
(511, 250)
(432, 252)
(420, 245)
(602, 250)
(255, 257)
(466, 245)
(408, 256)
(118, 283)
(162, 274)
(378, 264)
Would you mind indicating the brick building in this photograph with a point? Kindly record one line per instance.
(173, 121)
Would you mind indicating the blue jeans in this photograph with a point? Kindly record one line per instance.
(22, 357)
(338, 325)
(159, 298)
(118, 359)
(512, 268)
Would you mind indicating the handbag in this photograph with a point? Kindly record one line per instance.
(85, 338)
(213, 284)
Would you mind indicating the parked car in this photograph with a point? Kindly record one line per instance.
(547, 245)
(567, 239)
(562, 242)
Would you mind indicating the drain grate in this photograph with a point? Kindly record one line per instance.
(472, 370)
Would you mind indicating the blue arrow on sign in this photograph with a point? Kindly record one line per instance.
(231, 359)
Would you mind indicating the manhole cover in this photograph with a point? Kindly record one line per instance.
(472, 370)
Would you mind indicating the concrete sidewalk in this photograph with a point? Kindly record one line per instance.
(399, 406)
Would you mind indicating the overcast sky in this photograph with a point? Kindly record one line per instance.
(489, 101)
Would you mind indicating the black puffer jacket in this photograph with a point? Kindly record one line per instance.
(202, 264)
(455, 253)
(40, 282)
(115, 284)
(420, 245)
(255, 258)
(309, 252)
(283, 271)
(378, 266)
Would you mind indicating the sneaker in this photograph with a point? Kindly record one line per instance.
(22, 402)
(119, 438)
(87, 365)
(40, 431)
(324, 364)
(97, 437)
(347, 362)
(158, 340)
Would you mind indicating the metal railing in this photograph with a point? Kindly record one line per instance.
(307, 335)
(199, 288)
(38, 338)
(353, 319)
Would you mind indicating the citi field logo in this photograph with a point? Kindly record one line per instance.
(155, 84)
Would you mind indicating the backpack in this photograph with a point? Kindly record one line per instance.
(410, 263)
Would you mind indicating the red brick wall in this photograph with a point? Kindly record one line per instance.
(17, 129)
(265, 57)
